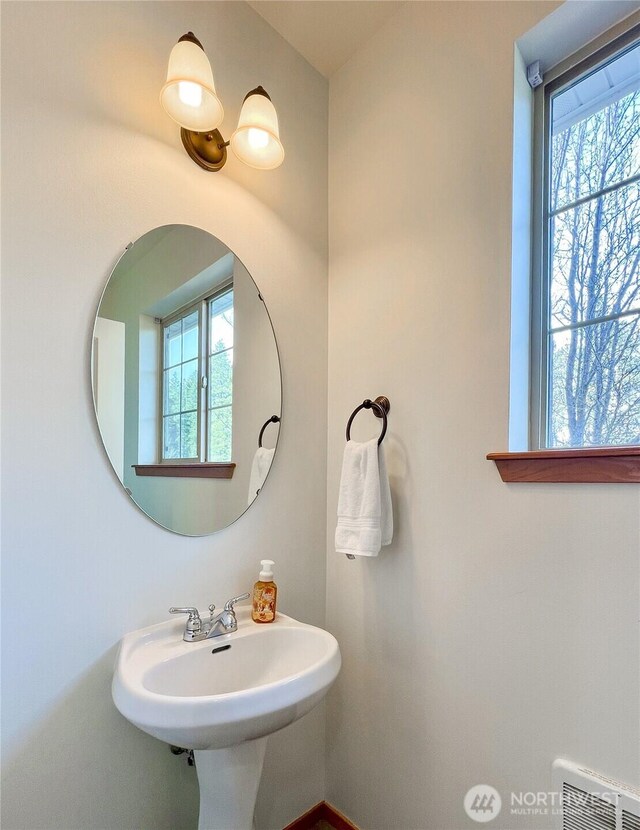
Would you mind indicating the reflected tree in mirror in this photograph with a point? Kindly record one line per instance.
(220, 382)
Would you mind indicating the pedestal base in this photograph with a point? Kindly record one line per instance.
(229, 780)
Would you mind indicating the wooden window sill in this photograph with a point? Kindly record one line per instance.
(204, 470)
(592, 465)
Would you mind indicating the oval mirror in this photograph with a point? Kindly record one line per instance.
(186, 380)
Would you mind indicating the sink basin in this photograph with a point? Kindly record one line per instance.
(227, 690)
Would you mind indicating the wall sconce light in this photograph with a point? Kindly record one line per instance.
(189, 98)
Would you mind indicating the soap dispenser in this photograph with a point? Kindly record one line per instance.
(264, 594)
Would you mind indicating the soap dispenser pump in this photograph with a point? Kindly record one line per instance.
(264, 594)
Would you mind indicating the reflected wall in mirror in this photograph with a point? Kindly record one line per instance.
(185, 375)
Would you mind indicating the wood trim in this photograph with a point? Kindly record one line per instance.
(321, 812)
(591, 465)
(209, 469)
(336, 819)
(308, 820)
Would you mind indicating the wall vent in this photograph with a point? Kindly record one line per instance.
(591, 801)
(629, 821)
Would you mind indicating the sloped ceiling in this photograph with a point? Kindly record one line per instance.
(326, 32)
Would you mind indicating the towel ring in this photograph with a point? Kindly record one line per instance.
(274, 419)
(380, 408)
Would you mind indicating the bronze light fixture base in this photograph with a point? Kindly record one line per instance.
(208, 150)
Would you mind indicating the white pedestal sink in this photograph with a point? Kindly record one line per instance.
(222, 697)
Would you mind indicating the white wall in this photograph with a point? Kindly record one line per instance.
(90, 162)
(499, 630)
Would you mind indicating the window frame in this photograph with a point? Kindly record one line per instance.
(207, 366)
(165, 323)
(563, 76)
(201, 304)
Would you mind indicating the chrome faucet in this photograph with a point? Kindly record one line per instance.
(223, 623)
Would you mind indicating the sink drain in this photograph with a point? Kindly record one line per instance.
(179, 750)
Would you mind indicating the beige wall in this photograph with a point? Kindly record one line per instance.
(499, 631)
(90, 162)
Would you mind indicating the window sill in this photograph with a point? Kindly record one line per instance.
(593, 465)
(204, 470)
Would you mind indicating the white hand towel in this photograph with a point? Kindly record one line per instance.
(259, 469)
(365, 518)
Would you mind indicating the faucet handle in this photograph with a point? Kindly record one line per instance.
(228, 606)
(192, 612)
(194, 623)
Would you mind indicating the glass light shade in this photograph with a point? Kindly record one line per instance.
(256, 141)
(189, 95)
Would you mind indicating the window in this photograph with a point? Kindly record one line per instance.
(220, 374)
(586, 323)
(180, 387)
(197, 381)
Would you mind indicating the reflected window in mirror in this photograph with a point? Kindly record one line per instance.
(197, 381)
(180, 387)
(220, 376)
